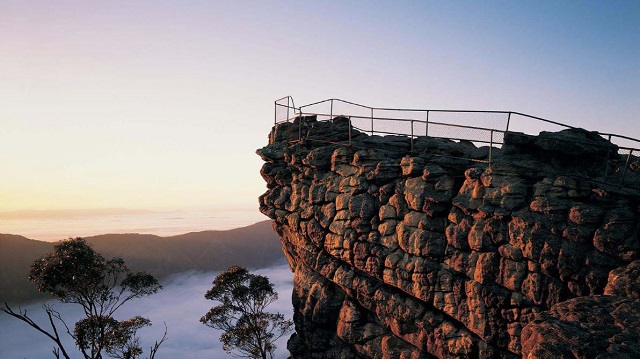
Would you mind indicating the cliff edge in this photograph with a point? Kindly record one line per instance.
(421, 249)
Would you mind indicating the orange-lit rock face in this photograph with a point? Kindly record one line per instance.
(401, 254)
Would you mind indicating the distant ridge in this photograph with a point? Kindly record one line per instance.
(69, 213)
(254, 246)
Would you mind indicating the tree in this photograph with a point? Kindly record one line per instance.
(75, 273)
(249, 331)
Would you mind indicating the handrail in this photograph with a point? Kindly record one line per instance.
(406, 120)
(403, 109)
(440, 110)
(292, 106)
(618, 136)
(509, 113)
(487, 129)
(427, 122)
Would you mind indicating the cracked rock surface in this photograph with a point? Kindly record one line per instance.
(422, 250)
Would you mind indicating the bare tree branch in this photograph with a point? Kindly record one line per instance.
(154, 348)
(22, 315)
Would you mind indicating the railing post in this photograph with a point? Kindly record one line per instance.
(275, 113)
(508, 120)
(606, 168)
(288, 106)
(331, 113)
(372, 121)
(300, 129)
(427, 129)
(411, 135)
(491, 148)
(626, 164)
(349, 131)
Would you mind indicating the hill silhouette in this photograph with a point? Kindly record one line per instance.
(254, 246)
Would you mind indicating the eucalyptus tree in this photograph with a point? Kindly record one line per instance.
(248, 331)
(74, 273)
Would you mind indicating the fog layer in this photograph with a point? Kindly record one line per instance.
(180, 305)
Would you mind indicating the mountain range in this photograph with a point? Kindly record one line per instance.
(254, 246)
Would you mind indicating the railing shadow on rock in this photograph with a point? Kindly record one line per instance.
(482, 128)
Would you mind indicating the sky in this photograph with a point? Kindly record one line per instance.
(162, 104)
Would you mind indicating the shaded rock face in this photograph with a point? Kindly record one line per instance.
(585, 327)
(429, 253)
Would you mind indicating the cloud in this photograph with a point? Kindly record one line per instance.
(180, 305)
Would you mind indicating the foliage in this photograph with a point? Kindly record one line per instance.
(75, 273)
(249, 331)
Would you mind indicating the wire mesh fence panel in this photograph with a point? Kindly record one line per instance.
(420, 128)
(621, 164)
(497, 138)
(385, 126)
(284, 109)
(282, 112)
(480, 137)
(341, 108)
(404, 117)
(401, 114)
(631, 157)
(532, 126)
(361, 123)
(321, 109)
(623, 155)
(625, 143)
(494, 120)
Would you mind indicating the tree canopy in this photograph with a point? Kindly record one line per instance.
(75, 273)
(249, 331)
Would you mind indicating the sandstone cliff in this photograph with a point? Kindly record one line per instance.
(433, 253)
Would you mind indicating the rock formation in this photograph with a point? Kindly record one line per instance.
(420, 249)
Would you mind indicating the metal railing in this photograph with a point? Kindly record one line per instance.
(479, 127)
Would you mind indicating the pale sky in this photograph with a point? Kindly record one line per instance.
(161, 104)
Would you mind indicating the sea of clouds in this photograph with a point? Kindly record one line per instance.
(180, 305)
